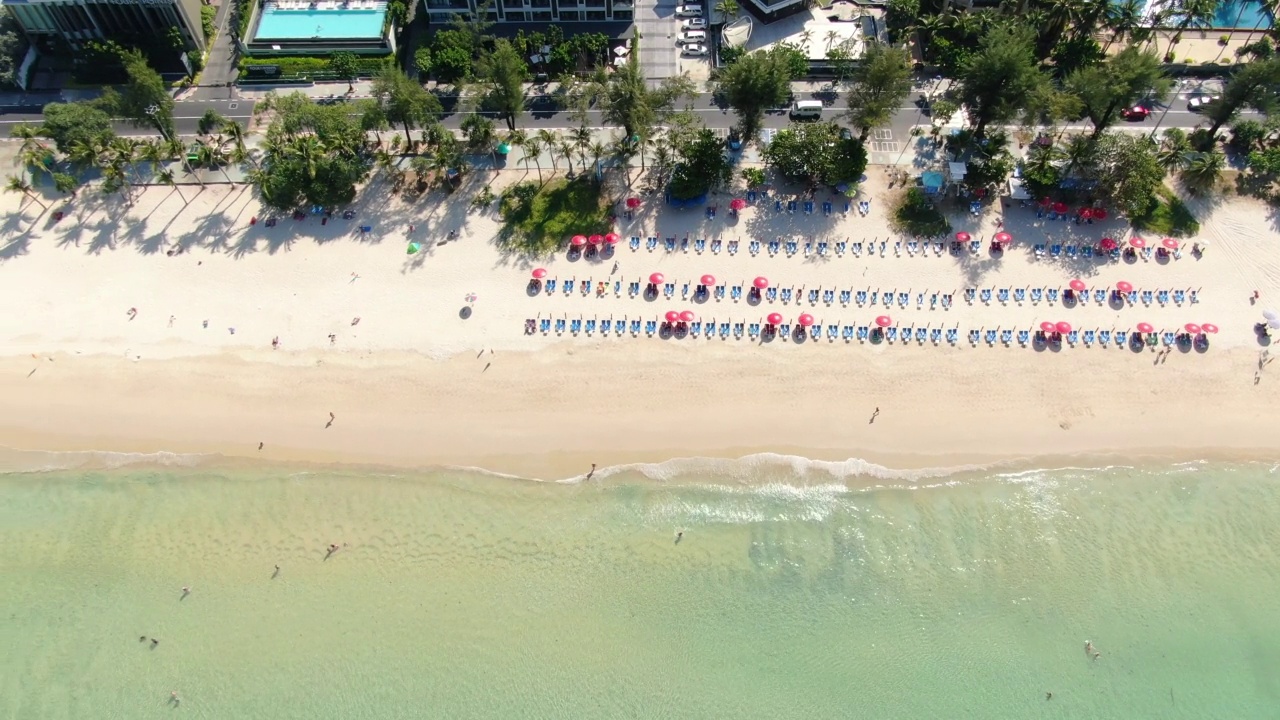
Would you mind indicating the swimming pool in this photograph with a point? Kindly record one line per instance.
(280, 24)
(1242, 14)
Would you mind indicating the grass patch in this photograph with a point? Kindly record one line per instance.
(538, 220)
(915, 214)
(1167, 215)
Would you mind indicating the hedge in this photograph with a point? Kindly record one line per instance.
(294, 66)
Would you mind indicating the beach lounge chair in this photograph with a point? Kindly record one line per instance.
(650, 327)
(1052, 295)
(822, 248)
(912, 247)
(724, 330)
(1071, 251)
(846, 207)
(985, 295)
(863, 332)
(938, 248)
(1087, 251)
(1039, 248)
(684, 244)
(808, 247)
(832, 332)
(635, 327)
(733, 247)
(974, 337)
(857, 249)
(970, 295)
(1167, 338)
(633, 289)
(975, 246)
(699, 245)
(544, 325)
(1131, 297)
(808, 207)
(1146, 253)
(891, 334)
(860, 297)
(1006, 336)
(736, 292)
(1019, 295)
(1162, 297)
(617, 288)
(695, 328)
(784, 330)
(841, 247)
(1114, 254)
(826, 208)
(791, 206)
(1147, 297)
(846, 296)
(1073, 337)
(1194, 295)
(935, 335)
(864, 207)
(922, 334)
(933, 301)
(751, 197)
(1104, 338)
(635, 242)
(586, 287)
(990, 337)
(738, 329)
(719, 292)
(753, 331)
(753, 247)
(897, 248)
(1055, 250)
(953, 335)
(786, 295)
(715, 247)
(575, 326)
(777, 206)
(815, 332)
(669, 289)
(605, 326)
(560, 325)
(1024, 337)
(1179, 296)
(711, 212)
(1002, 295)
(828, 296)
(651, 244)
(903, 299)
(875, 298)
(771, 294)
(550, 287)
(774, 247)
(684, 291)
(813, 297)
(1100, 296)
(569, 285)
(1089, 336)
(670, 244)
(884, 246)
(1122, 338)
(792, 247)
(904, 334)
(846, 332)
(591, 326)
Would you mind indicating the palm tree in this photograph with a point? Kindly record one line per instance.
(1123, 19)
(165, 176)
(582, 138)
(16, 184)
(1192, 13)
(1079, 149)
(1202, 171)
(1172, 154)
(30, 136)
(597, 150)
(532, 149)
(552, 143)
(728, 9)
(309, 149)
(567, 150)
(235, 135)
(66, 184)
(831, 37)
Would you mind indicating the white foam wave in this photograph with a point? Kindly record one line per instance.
(41, 461)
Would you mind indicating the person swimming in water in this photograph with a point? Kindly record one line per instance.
(679, 536)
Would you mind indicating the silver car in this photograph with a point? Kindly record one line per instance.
(694, 50)
(695, 24)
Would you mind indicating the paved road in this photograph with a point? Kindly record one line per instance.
(186, 116)
(220, 70)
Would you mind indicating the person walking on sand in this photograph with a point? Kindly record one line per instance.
(593, 471)
(332, 417)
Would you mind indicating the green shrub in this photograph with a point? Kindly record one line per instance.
(317, 67)
(207, 15)
(915, 214)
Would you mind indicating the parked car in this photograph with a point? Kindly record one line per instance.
(1137, 113)
(693, 24)
(689, 11)
(1197, 103)
(692, 37)
(694, 50)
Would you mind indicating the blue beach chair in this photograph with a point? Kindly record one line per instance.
(591, 326)
(935, 335)
(1002, 295)
(650, 327)
(635, 327)
(544, 325)
(846, 296)
(651, 244)
(575, 326)
(551, 287)
(1024, 336)
(863, 332)
(953, 335)
(1052, 295)
(635, 242)
(605, 326)
(560, 325)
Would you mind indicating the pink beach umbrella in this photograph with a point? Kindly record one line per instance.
(1077, 285)
(687, 316)
(1086, 213)
(612, 238)
(1124, 286)
(806, 320)
(578, 240)
(1045, 201)
(963, 236)
(708, 279)
(539, 273)
(672, 316)
(775, 318)
(1137, 242)
(1145, 328)
(1048, 327)
(657, 278)
(1060, 208)
(633, 203)
(884, 321)
(1099, 214)
(761, 282)
(1170, 244)
(1209, 328)
(1192, 328)
(1003, 238)
(1063, 327)
(1108, 244)
(737, 204)
(595, 239)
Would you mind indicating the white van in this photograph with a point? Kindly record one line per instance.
(688, 11)
(807, 109)
(693, 37)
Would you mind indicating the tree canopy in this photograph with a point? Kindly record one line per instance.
(880, 82)
(817, 154)
(145, 97)
(69, 124)
(1000, 81)
(404, 101)
(702, 166)
(1111, 86)
(504, 73)
(313, 155)
(757, 82)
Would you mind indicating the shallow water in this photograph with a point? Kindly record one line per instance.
(794, 595)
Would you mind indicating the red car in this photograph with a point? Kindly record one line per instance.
(1137, 113)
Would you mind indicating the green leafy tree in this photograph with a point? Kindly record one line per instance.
(79, 122)
(880, 82)
(1107, 88)
(759, 81)
(999, 80)
(345, 66)
(404, 101)
(1124, 19)
(65, 183)
(816, 154)
(422, 61)
(19, 185)
(313, 155)
(1127, 171)
(1203, 171)
(702, 167)
(479, 132)
(625, 98)
(1253, 85)
(453, 52)
(504, 73)
(145, 98)
(1247, 135)
(1265, 162)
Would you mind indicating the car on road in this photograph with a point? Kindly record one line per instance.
(694, 50)
(691, 24)
(689, 11)
(1137, 113)
(1197, 103)
(692, 37)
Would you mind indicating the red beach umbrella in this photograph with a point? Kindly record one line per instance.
(687, 316)
(1192, 328)
(1209, 328)
(633, 203)
(672, 316)
(1086, 213)
(775, 318)
(1124, 286)
(595, 239)
(761, 282)
(657, 278)
(1063, 327)
(1060, 207)
(612, 238)
(578, 240)
(1099, 214)
(539, 273)
(1108, 244)
(737, 204)
(1137, 242)
(805, 320)
(1170, 243)
(1145, 328)
(708, 279)
(1045, 201)
(1048, 327)
(963, 236)
(1003, 237)
(884, 321)
(1077, 285)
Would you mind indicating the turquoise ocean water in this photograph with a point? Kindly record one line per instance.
(792, 594)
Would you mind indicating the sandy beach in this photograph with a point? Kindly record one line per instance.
(418, 375)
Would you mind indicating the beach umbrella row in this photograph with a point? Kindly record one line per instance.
(580, 240)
